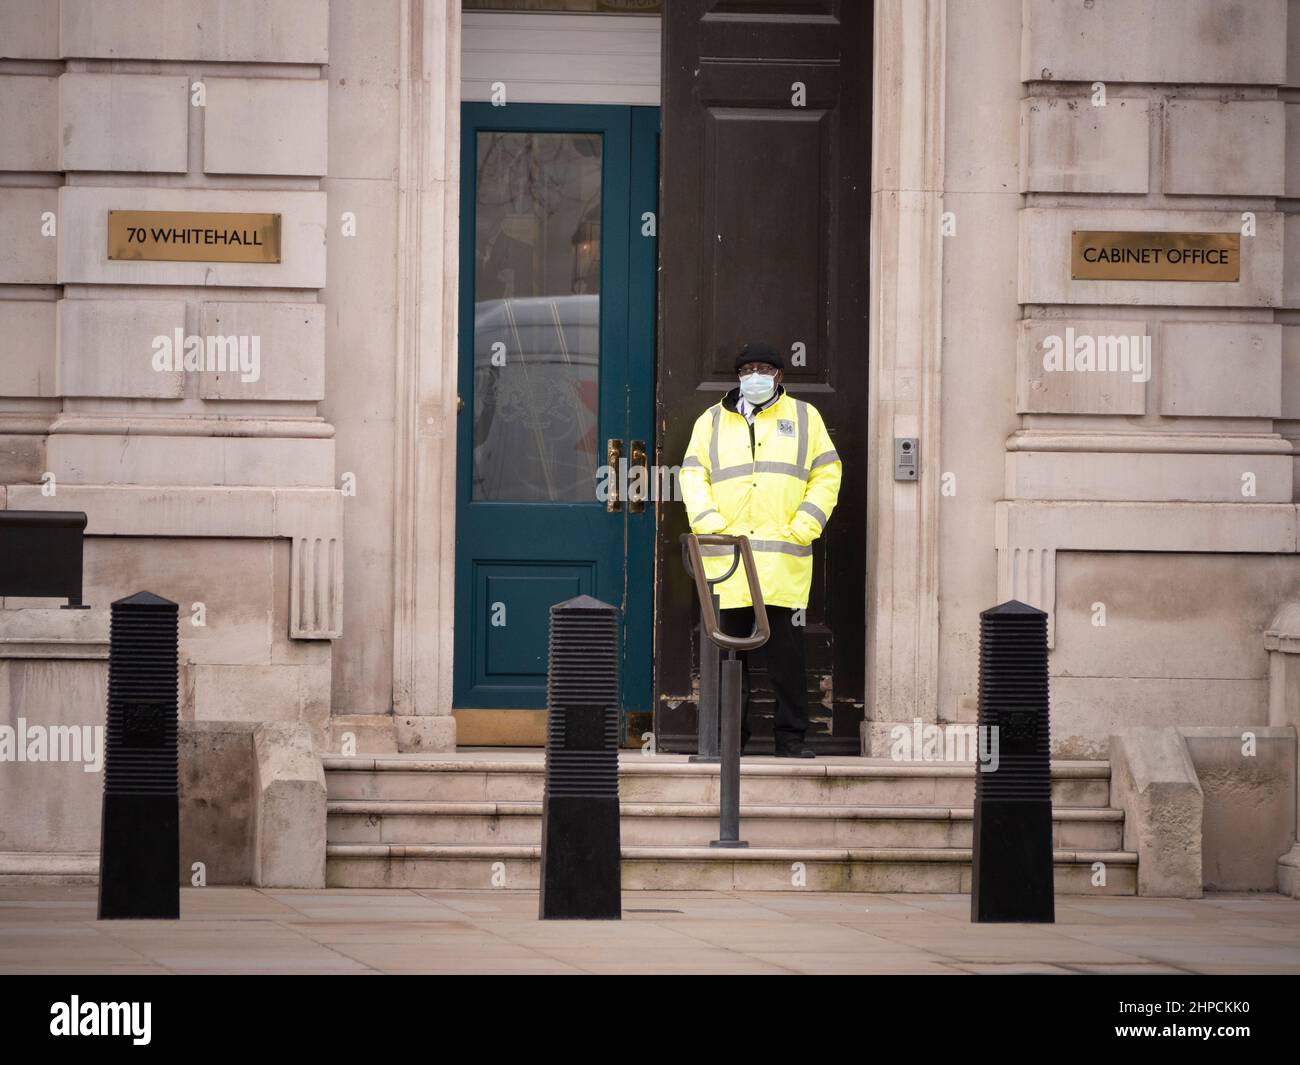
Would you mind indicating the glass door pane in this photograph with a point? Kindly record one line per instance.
(537, 247)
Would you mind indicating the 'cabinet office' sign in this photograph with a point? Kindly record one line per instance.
(1121, 255)
(194, 236)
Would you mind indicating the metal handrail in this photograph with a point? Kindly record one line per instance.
(741, 552)
(724, 684)
(690, 570)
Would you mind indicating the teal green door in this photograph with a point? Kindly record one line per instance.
(557, 316)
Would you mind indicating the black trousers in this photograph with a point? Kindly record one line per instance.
(784, 653)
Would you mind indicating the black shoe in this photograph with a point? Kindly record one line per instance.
(798, 749)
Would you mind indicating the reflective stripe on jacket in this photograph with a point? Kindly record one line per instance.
(777, 486)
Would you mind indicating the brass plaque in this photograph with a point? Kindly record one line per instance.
(194, 236)
(1121, 255)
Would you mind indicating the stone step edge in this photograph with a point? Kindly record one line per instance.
(49, 863)
(533, 852)
(473, 808)
(381, 764)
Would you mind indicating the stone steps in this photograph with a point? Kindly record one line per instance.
(470, 820)
(49, 867)
(842, 781)
(878, 869)
(695, 824)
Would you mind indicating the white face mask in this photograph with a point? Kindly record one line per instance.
(757, 387)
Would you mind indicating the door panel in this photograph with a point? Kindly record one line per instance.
(527, 590)
(549, 278)
(752, 269)
(766, 193)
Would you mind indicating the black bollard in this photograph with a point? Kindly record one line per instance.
(580, 875)
(139, 854)
(1011, 874)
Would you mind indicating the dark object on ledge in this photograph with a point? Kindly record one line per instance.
(139, 854)
(40, 554)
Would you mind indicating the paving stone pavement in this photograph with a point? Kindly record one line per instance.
(52, 929)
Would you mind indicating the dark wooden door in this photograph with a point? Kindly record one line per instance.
(765, 199)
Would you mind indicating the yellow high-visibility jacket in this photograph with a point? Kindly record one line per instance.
(777, 485)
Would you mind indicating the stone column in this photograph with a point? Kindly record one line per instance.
(905, 341)
(425, 470)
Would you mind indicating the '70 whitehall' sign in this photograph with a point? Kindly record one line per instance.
(194, 236)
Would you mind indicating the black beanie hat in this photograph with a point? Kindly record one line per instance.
(757, 351)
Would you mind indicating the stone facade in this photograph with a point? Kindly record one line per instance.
(305, 516)
(1154, 518)
(217, 489)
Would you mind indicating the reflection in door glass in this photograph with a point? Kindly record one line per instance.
(536, 316)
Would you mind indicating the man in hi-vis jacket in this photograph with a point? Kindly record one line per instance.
(761, 464)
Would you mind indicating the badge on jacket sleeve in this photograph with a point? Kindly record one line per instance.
(784, 427)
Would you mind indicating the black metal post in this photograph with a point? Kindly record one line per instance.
(729, 784)
(730, 694)
(707, 748)
(139, 856)
(581, 871)
(1012, 866)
